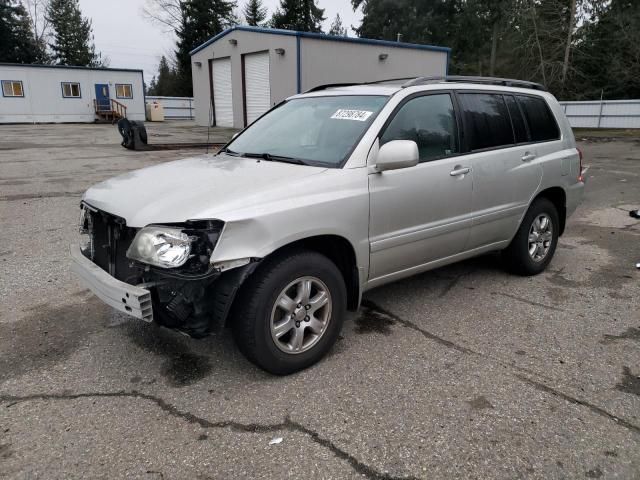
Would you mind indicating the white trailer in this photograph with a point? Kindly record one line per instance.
(62, 94)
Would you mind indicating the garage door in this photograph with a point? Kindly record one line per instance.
(256, 84)
(222, 92)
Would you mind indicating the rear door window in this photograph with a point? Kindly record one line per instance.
(519, 127)
(487, 122)
(429, 121)
(542, 124)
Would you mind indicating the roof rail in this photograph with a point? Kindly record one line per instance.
(351, 84)
(331, 85)
(387, 80)
(505, 82)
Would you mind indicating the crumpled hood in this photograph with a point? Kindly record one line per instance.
(195, 188)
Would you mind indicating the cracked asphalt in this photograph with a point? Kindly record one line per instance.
(463, 372)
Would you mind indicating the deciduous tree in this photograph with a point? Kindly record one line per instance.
(40, 27)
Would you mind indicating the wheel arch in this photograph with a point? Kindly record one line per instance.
(558, 197)
(341, 252)
(335, 247)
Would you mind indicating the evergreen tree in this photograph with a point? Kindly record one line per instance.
(607, 56)
(17, 44)
(300, 15)
(72, 35)
(148, 89)
(166, 83)
(418, 21)
(255, 13)
(526, 39)
(200, 20)
(337, 28)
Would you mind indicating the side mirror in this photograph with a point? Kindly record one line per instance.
(397, 154)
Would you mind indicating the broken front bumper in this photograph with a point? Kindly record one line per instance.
(129, 299)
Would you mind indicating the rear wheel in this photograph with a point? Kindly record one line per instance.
(290, 312)
(532, 249)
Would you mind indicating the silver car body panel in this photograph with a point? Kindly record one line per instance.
(410, 224)
(398, 222)
(195, 188)
(129, 299)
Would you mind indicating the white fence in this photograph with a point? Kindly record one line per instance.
(603, 114)
(589, 114)
(176, 108)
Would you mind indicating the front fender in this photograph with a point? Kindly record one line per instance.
(338, 206)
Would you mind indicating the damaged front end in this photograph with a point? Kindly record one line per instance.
(172, 262)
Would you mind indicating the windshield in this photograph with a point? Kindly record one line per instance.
(312, 130)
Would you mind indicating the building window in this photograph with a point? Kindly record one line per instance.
(71, 90)
(124, 90)
(12, 88)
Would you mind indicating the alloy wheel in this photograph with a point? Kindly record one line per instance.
(301, 314)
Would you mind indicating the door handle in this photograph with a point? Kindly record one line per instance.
(458, 170)
(527, 157)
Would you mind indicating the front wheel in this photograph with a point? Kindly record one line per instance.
(533, 247)
(290, 312)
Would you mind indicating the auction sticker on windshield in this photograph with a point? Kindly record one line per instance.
(358, 115)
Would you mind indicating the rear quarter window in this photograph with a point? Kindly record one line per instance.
(487, 121)
(542, 124)
(519, 127)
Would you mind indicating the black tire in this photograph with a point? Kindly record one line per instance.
(251, 321)
(516, 256)
(142, 131)
(124, 127)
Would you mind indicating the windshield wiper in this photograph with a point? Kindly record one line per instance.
(230, 152)
(274, 158)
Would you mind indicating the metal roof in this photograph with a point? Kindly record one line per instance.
(70, 67)
(320, 36)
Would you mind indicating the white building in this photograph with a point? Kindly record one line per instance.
(59, 94)
(242, 72)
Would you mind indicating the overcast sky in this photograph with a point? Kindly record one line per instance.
(131, 41)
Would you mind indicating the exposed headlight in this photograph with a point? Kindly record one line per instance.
(164, 247)
(86, 232)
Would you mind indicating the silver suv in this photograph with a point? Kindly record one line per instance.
(327, 195)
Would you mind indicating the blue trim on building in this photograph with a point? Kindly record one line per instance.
(299, 64)
(72, 67)
(369, 41)
(320, 36)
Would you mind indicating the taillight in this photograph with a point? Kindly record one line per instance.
(580, 177)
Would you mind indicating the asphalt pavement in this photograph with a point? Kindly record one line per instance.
(462, 372)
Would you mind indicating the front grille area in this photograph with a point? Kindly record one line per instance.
(110, 239)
